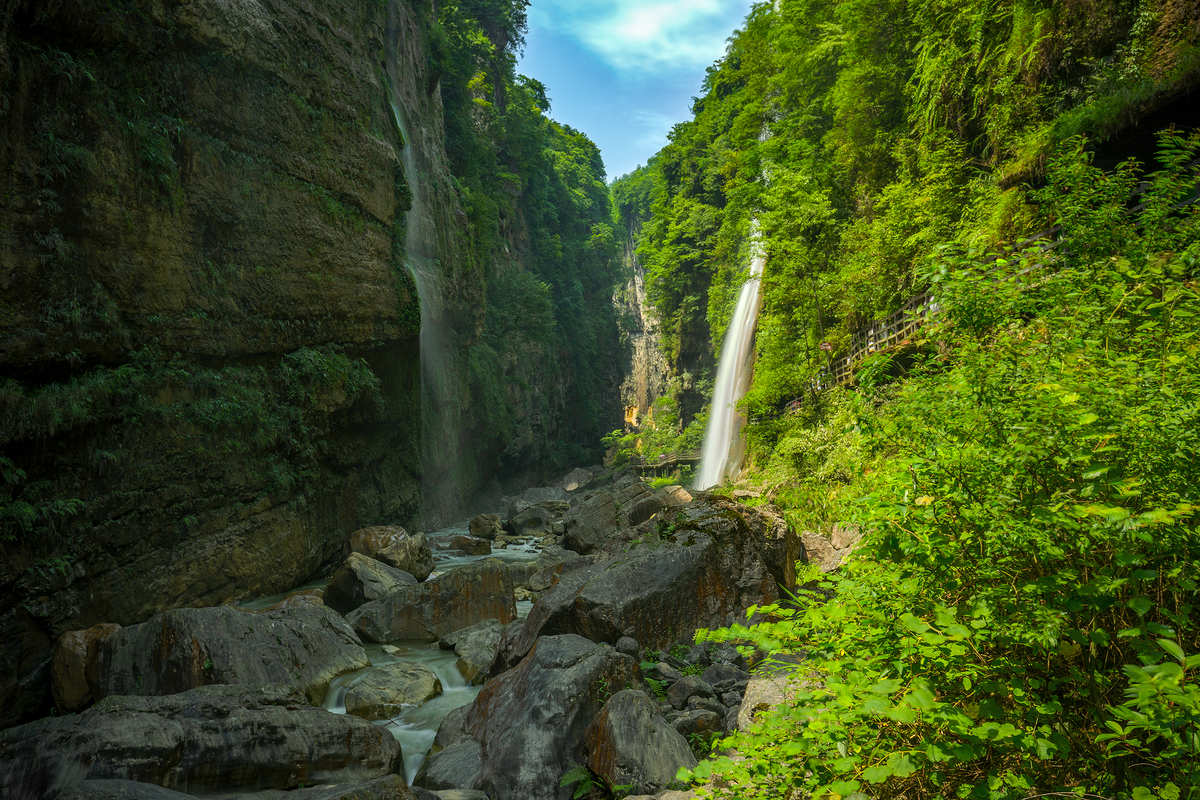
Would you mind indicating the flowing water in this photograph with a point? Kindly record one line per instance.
(722, 453)
(441, 466)
(416, 727)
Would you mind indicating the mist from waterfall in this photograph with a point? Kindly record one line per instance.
(440, 451)
(722, 453)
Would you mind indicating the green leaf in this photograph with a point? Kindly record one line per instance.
(1142, 793)
(878, 773)
(1141, 605)
(1172, 649)
(844, 788)
(1169, 792)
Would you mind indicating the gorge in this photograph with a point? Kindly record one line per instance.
(347, 410)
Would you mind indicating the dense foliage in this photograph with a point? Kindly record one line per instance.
(864, 133)
(1022, 617)
(542, 241)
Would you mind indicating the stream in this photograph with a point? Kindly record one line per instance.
(416, 727)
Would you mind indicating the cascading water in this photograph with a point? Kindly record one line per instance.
(439, 401)
(722, 451)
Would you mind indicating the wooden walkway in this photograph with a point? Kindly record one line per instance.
(667, 465)
(898, 329)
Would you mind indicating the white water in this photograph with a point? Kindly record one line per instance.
(722, 453)
(440, 423)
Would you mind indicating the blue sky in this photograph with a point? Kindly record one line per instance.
(625, 71)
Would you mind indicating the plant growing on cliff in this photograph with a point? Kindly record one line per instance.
(1022, 616)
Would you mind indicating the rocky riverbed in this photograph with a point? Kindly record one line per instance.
(549, 639)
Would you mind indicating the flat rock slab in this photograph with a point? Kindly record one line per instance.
(303, 647)
(449, 602)
(205, 741)
(385, 691)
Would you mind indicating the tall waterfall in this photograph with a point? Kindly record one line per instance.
(722, 440)
(440, 451)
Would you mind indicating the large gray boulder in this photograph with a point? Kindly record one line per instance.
(303, 647)
(458, 764)
(204, 741)
(530, 722)
(362, 579)
(383, 692)
(393, 545)
(389, 787)
(630, 744)
(449, 602)
(118, 790)
(603, 514)
(703, 569)
(476, 648)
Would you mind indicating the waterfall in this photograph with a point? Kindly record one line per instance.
(722, 451)
(440, 453)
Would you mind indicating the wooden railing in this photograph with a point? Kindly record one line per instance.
(898, 328)
(665, 465)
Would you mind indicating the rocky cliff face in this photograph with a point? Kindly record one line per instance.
(208, 340)
(646, 372)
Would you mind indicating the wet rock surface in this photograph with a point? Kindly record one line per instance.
(630, 744)
(449, 602)
(530, 722)
(75, 670)
(362, 579)
(394, 546)
(703, 568)
(476, 648)
(207, 740)
(383, 692)
(304, 647)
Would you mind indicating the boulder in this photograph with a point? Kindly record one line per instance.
(530, 722)
(206, 740)
(74, 670)
(604, 513)
(453, 728)
(458, 764)
(675, 496)
(119, 790)
(702, 570)
(393, 545)
(390, 787)
(300, 597)
(471, 545)
(476, 648)
(449, 602)
(630, 744)
(763, 693)
(460, 794)
(698, 721)
(485, 526)
(685, 687)
(576, 479)
(362, 579)
(725, 678)
(536, 520)
(383, 692)
(304, 647)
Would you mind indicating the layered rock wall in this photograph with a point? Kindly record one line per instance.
(208, 340)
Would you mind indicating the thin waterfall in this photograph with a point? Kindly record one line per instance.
(722, 453)
(439, 417)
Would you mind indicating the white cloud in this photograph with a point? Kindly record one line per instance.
(634, 35)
